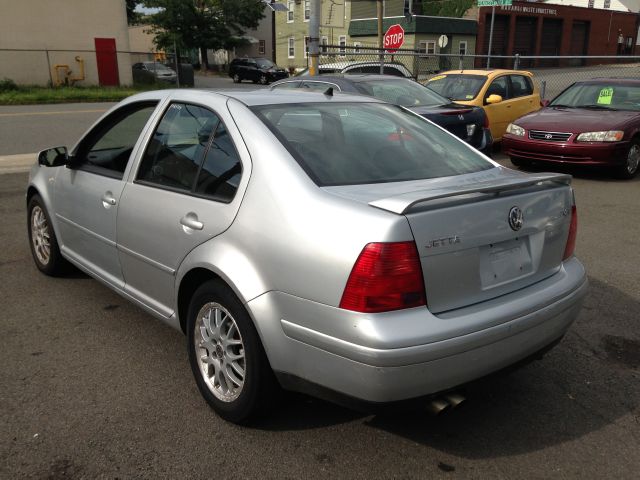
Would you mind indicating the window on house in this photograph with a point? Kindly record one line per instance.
(290, 9)
(357, 46)
(342, 41)
(292, 47)
(324, 41)
(591, 3)
(427, 47)
(462, 49)
(307, 10)
(306, 46)
(607, 3)
(262, 47)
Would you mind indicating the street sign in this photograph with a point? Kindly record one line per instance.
(394, 38)
(495, 3)
(443, 41)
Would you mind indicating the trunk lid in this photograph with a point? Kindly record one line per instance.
(468, 250)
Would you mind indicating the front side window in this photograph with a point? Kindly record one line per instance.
(498, 87)
(175, 152)
(348, 144)
(108, 147)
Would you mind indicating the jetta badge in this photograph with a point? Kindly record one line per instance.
(516, 219)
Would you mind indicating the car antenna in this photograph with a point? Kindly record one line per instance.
(329, 92)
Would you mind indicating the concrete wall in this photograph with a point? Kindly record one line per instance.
(60, 25)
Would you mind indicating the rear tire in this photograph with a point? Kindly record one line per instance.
(226, 356)
(632, 163)
(42, 239)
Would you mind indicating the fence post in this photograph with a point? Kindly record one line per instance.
(543, 89)
(516, 62)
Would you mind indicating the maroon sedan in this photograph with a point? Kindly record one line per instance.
(595, 122)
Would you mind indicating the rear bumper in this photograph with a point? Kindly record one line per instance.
(379, 362)
(606, 154)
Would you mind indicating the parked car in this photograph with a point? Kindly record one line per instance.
(258, 70)
(395, 69)
(322, 243)
(504, 94)
(594, 122)
(157, 70)
(466, 122)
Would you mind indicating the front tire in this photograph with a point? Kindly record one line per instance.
(236, 78)
(630, 167)
(226, 356)
(263, 80)
(42, 239)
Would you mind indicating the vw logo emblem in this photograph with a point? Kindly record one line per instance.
(548, 136)
(516, 218)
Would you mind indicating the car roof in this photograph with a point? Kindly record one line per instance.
(258, 97)
(486, 73)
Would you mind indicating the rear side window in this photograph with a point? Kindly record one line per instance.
(348, 144)
(521, 86)
(192, 151)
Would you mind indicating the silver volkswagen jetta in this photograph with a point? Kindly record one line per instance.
(328, 243)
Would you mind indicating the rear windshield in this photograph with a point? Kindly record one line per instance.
(401, 92)
(457, 86)
(605, 95)
(357, 143)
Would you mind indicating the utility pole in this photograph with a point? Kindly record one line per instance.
(380, 44)
(493, 16)
(314, 36)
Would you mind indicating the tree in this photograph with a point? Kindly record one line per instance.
(203, 24)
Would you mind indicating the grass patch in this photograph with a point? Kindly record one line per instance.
(28, 95)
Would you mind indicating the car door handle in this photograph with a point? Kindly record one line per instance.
(190, 220)
(108, 200)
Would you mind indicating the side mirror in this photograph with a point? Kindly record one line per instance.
(491, 99)
(53, 157)
(545, 103)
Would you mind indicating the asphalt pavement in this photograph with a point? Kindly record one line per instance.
(93, 387)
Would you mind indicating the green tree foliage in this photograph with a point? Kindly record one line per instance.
(446, 8)
(203, 24)
(133, 17)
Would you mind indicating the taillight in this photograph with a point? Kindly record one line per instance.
(573, 231)
(385, 277)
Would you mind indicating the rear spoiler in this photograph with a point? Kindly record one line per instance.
(401, 203)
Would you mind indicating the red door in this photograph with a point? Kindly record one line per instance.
(107, 62)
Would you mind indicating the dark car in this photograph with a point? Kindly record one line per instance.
(594, 122)
(466, 122)
(258, 70)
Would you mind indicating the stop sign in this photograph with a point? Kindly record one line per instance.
(394, 38)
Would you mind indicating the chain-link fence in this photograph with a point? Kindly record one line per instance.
(553, 74)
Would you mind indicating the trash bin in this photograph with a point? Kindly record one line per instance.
(186, 75)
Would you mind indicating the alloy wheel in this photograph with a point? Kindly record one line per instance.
(220, 352)
(633, 159)
(40, 236)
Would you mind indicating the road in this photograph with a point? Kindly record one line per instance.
(93, 387)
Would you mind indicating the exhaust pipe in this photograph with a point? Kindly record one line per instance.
(437, 406)
(455, 399)
(448, 401)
